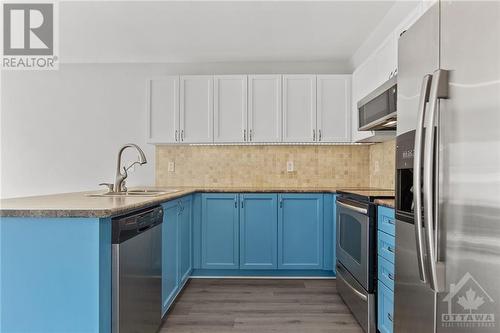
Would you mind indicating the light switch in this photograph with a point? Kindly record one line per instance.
(289, 166)
(171, 166)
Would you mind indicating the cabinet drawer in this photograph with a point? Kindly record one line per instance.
(385, 220)
(385, 303)
(386, 272)
(386, 246)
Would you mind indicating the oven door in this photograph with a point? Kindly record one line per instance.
(353, 240)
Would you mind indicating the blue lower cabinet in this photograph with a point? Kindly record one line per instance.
(386, 220)
(386, 245)
(55, 274)
(385, 300)
(220, 231)
(386, 272)
(170, 253)
(300, 231)
(329, 217)
(258, 231)
(185, 236)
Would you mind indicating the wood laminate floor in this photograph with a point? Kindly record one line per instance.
(259, 305)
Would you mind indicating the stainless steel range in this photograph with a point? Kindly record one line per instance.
(356, 252)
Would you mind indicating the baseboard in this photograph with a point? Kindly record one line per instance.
(262, 274)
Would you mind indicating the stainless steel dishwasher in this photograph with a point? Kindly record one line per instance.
(136, 271)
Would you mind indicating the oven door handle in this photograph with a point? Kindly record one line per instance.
(354, 208)
(354, 290)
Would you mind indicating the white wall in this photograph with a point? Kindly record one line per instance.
(61, 130)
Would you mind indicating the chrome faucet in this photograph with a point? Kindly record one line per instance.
(120, 177)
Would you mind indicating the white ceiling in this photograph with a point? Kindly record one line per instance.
(231, 31)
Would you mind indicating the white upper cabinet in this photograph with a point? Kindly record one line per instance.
(163, 110)
(230, 108)
(264, 108)
(333, 108)
(299, 108)
(196, 109)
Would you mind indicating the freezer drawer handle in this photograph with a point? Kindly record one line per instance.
(354, 290)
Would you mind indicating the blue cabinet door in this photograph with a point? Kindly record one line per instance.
(185, 231)
(170, 266)
(258, 231)
(300, 231)
(220, 231)
(385, 300)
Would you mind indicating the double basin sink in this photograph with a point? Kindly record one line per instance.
(143, 192)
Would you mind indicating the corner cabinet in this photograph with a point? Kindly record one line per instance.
(300, 231)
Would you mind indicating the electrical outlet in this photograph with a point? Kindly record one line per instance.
(171, 166)
(290, 166)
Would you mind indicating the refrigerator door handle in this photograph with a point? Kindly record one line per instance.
(417, 175)
(439, 89)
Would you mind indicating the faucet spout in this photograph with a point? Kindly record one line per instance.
(120, 177)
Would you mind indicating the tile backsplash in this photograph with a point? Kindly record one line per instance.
(382, 164)
(261, 166)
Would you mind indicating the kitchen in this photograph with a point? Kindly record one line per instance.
(257, 162)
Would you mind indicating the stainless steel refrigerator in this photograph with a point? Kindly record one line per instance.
(447, 275)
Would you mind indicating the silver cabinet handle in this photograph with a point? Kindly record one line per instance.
(250, 134)
(244, 135)
(176, 135)
(439, 89)
(390, 276)
(389, 317)
(417, 176)
(319, 134)
(182, 135)
(314, 135)
(354, 208)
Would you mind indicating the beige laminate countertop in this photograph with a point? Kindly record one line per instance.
(79, 204)
(391, 203)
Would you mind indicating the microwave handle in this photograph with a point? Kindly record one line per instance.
(417, 175)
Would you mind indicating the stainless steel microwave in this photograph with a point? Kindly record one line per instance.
(378, 110)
